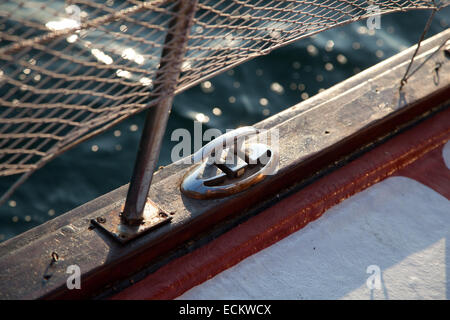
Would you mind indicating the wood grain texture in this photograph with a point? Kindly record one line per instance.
(313, 135)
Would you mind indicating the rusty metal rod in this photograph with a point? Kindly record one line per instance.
(157, 116)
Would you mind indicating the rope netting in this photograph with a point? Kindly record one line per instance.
(72, 69)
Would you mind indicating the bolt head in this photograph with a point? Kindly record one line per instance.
(101, 220)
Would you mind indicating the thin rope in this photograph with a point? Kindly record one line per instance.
(422, 36)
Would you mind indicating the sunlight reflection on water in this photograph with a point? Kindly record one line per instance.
(242, 96)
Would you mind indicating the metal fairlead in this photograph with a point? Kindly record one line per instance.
(230, 165)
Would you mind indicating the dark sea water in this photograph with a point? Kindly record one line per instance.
(244, 95)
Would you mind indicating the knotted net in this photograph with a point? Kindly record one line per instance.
(72, 69)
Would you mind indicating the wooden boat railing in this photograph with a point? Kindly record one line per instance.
(316, 136)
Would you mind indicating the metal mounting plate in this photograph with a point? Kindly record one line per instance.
(112, 222)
